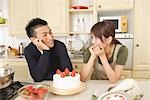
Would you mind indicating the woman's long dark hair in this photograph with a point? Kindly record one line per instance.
(106, 29)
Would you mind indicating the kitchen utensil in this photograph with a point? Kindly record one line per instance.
(6, 77)
(2, 51)
(10, 92)
(77, 45)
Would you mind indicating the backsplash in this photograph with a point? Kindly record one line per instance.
(6, 39)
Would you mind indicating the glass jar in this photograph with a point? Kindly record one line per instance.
(3, 51)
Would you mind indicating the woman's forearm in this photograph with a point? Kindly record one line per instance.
(111, 74)
(87, 68)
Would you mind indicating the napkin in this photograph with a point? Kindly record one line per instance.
(130, 87)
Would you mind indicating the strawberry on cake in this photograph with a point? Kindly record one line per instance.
(66, 79)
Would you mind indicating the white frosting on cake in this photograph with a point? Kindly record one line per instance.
(67, 82)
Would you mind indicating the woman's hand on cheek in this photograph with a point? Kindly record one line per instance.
(91, 49)
(99, 50)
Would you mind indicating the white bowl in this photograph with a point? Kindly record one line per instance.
(28, 95)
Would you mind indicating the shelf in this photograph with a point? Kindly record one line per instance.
(60, 34)
(3, 25)
(80, 10)
(79, 19)
(79, 32)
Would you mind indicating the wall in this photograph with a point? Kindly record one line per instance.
(5, 38)
(13, 41)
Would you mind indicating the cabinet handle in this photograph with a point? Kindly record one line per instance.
(99, 6)
(137, 45)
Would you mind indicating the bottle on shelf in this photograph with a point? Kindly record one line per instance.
(21, 49)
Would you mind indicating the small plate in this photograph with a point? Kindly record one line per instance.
(114, 96)
(57, 91)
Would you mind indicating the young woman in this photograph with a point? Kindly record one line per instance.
(106, 57)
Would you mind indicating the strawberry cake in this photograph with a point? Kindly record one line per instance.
(66, 79)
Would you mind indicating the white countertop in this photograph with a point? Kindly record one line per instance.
(13, 58)
(18, 58)
(22, 59)
(98, 86)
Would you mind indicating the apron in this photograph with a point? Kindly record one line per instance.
(98, 72)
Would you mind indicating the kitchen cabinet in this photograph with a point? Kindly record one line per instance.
(20, 67)
(21, 11)
(115, 4)
(54, 12)
(141, 63)
(126, 74)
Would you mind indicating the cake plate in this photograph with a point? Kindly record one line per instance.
(58, 91)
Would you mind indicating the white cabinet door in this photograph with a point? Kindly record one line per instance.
(54, 12)
(142, 35)
(20, 12)
(115, 4)
(20, 68)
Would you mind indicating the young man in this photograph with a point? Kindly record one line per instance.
(44, 55)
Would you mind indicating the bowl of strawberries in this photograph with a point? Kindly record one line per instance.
(34, 92)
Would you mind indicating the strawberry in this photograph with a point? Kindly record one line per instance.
(73, 73)
(32, 96)
(63, 74)
(41, 93)
(39, 98)
(43, 89)
(36, 91)
(58, 71)
(66, 71)
(30, 89)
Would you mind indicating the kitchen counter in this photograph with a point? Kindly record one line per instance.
(96, 86)
(19, 58)
(73, 60)
(12, 58)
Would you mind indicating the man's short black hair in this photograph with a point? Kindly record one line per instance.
(34, 23)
